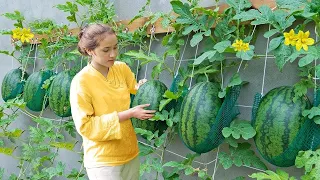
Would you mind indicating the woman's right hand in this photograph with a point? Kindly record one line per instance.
(141, 113)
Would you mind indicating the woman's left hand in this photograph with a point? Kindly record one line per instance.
(140, 83)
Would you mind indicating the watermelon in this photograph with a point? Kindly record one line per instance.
(34, 94)
(59, 94)
(198, 114)
(13, 84)
(150, 93)
(278, 121)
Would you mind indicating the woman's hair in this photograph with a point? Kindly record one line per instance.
(91, 35)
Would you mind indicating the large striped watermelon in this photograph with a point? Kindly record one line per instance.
(278, 121)
(13, 84)
(150, 93)
(34, 94)
(198, 114)
(59, 94)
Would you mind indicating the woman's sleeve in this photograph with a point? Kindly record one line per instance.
(96, 128)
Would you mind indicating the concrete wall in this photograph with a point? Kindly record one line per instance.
(125, 10)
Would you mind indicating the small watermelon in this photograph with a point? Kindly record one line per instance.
(59, 94)
(13, 84)
(34, 94)
(150, 93)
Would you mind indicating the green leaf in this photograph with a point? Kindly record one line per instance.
(222, 46)
(5, 52)
(174, 164)
(225, 160)
(12, 134)
(6, 150)
(270, 33)
(189, 170)
(160, 140)
(239, 5)
(170, 95)
(265, 17)
(140, 55)
(184, 11)
(196, 39)
(16, 16)
(293, 56)
(279, 175)
(281, 54)
(156, 71)
(13, 177)
(144, 132)
(275, 43)
(301, 88)
(64, 145)
(318, 71)
(247, 15)
(163, 103)
(240, 178)
(222, 93)
(189, 29)
(235, 80)
(1, 173)
(243, 155)
(247, 55)
(207, 54)
(283, 18)
(202, 174)
(238, 129)
(144, 150)
(231, 141)
(309, 58)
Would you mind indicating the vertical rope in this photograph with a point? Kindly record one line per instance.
(35, 58)
(265, 63)
(184, 49)
(215, 164)
(138, 64)
(152, 30)
(195, 57)
(12, 57)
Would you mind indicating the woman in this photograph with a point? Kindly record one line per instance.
(100, 105)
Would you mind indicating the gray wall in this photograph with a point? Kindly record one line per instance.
(253, 73)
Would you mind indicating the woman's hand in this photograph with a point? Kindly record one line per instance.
(140, 113)
(141, 81)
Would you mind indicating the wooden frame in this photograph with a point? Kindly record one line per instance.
(157, 25)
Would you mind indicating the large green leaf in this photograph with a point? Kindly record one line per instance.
(205, 55)
(238, 129)
(184, 11)
(266, 16)
(196, 39)
(222, 46)
(248, 15)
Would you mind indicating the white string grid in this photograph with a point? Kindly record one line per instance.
(181, 156)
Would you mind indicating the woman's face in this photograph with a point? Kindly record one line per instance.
(105, 54)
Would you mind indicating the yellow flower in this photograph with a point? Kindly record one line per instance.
(303, 41)
(290, 38)
(16, 33)
(239, 45)
(26, 35)
(245, 47)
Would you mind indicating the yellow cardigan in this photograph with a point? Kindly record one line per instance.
(95, 101)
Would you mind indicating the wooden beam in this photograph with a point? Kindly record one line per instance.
(158, 28)
(256, 4)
